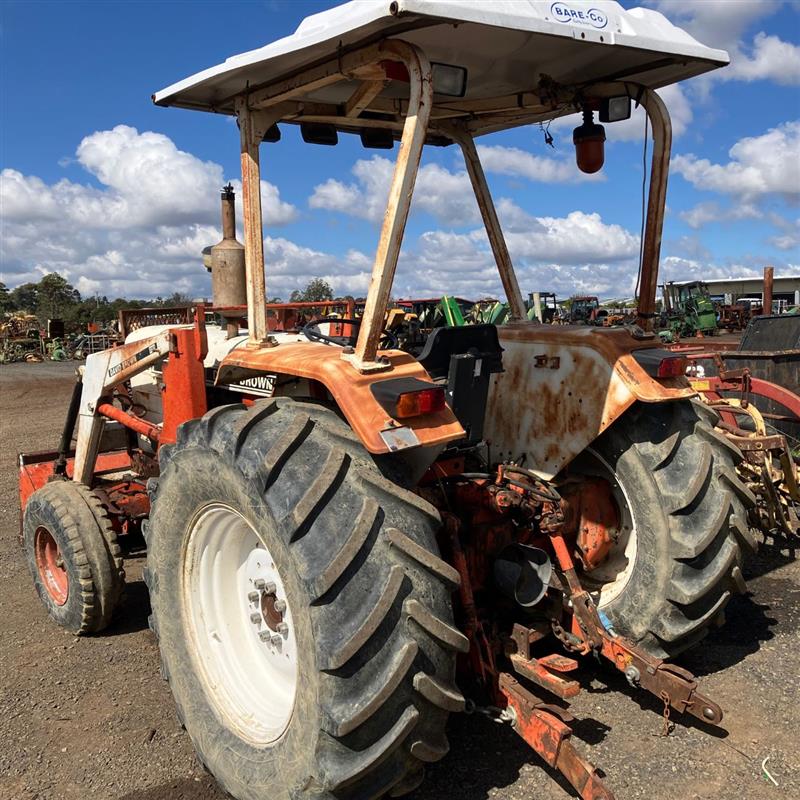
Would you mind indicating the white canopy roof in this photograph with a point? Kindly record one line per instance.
(506, 46)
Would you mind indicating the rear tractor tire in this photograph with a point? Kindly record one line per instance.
(73, 555)
(683, 525)
(302, 611)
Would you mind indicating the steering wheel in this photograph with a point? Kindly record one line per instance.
(312, 332)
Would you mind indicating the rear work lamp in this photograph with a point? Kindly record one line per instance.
(615, 109)
(448, 79)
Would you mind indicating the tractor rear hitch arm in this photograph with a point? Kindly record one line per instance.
(672, 684)
(545, 729)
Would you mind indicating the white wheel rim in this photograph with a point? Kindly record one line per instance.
(247, 658)
(607, 581)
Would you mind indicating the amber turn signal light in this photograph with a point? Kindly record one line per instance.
(413, 404)
(672, 367)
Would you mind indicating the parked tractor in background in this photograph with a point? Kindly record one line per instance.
(584, 310)
(347, 543)
(689, 309)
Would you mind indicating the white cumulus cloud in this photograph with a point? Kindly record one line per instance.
(139, 233)
(758, 166)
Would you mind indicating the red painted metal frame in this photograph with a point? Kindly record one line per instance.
(128, 420)
(36, 469)
(184, 394)
(50, 565)
(544, 727)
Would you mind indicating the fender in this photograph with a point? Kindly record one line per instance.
(562, 387)
(378, 432)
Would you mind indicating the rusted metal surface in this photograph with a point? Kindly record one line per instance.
(348, 388)
(480, 654)
(660, 123)
(126, 500)
(544, 673)
(226, 261)
(494, 231)
(36, 469)
(399, 202)
(676, 686)
(543, 727)
(592, 514)
(562, 387)
(131, 319)
(769, 282)
(253, 229)
(767, 467)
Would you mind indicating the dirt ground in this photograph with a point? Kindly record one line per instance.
(91, 718)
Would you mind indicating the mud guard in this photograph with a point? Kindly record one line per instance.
(562, 387)
(378, 432)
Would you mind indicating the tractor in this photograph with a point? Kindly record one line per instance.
(689, 309)
(347, 543)
(584, 310)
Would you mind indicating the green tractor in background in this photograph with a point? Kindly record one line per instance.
(689, 309)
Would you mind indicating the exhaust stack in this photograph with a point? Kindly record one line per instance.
(225, 261)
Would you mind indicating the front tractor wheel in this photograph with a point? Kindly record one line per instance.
(662, 541)
(73, 556)
(303, 614)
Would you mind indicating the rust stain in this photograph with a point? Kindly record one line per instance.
(552, 414)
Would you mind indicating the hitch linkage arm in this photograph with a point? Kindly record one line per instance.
(674, 685)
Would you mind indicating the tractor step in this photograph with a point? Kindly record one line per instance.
(539, 671)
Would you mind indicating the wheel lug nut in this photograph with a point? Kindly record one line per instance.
(259, 583)
(282, 628)
(265, 636)
(253, 597)
(270, 588)
(280, 606)
(276, 640)
(255, 618)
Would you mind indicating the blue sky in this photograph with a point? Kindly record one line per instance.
(120, 196)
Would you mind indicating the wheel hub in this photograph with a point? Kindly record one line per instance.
(606, 532)
(240, 624)
(50, 565)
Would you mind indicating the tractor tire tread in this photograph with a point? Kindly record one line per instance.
(704, 503)
(364, 587)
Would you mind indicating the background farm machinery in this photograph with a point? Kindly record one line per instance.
(756, 391)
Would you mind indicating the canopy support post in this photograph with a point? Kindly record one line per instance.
(659, 172)
(415, 131)
(493, 229)
(252, 127)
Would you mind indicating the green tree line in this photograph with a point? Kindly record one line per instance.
(53, 297)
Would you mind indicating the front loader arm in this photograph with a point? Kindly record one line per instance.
(104, 371)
